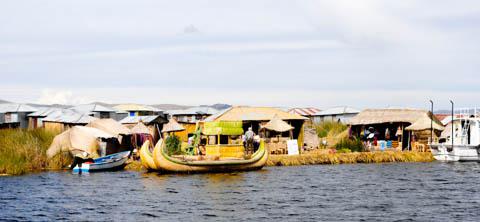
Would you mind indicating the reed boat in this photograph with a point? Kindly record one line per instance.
(146, 157)
(190, 164)
(116, 161)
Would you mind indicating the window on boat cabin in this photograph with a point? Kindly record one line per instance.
(212, 140)
(224, 139)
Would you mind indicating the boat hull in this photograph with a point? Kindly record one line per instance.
(113, 162)
(146, 157)
(168, 164)
(458, 153)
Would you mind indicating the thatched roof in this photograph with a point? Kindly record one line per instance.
(425, 124)
(246, 113)
(172, 126)
(276, 124)
(140, 128)
(77, 139)
(379, 116)
(110, 126)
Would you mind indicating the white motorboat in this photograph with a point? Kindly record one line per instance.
(460, 141)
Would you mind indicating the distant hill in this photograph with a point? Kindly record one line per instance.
(4, 101)
(220, 106)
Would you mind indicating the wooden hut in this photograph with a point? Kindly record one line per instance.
(400, 129)
(277, 132)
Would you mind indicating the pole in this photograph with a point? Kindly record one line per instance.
(431, 122)
(452, 121)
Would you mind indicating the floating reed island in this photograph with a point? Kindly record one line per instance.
(327, 157)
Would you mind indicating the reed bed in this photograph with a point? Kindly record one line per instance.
(348, 158)
(23, 151)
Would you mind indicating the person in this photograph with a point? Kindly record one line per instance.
(256, 143)
(80, 158)
(248, 138)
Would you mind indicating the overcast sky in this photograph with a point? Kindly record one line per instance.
(271, 53)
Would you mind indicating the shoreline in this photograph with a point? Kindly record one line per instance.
(306, 159)
(349, 158)
(333, 158)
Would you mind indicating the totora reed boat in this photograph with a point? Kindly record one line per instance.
(146, 156)
(166, 163)
(218, 157)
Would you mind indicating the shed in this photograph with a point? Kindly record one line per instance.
(391, 126)
(335, 114)
(308, 112)
(64, 119)
(95, 110)
(139, 110)
(193, 114)
(15, 115)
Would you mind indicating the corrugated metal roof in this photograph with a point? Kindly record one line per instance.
(304, 111)
(246, 113)
(16, 108)
(136, 119)
(43, 112)
(88, 108)
(68, 116)
(137, 107)
(199, 110)
(337, 111)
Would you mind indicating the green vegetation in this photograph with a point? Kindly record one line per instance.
(173, 145)
(23, 151)
(355, 157)
(329, 128)
(352, 144)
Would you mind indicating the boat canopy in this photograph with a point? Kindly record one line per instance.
(228, 128)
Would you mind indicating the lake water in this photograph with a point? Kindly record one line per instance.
(361, 192)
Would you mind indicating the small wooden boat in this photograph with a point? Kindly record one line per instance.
(146, 157)
(116, 161)
(184, 164)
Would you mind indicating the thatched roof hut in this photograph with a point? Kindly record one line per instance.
(406, 127)
(425, 123)
(111, 126)
(140, 128)
(277, 124)
(380, 116)
(172, 126)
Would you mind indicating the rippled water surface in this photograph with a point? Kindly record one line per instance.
(386, 192)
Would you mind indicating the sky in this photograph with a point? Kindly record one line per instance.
(264, 53)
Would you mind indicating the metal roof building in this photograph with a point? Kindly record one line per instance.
(336, 114)
(14, 115)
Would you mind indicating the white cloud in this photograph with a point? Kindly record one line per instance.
(56, 96)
